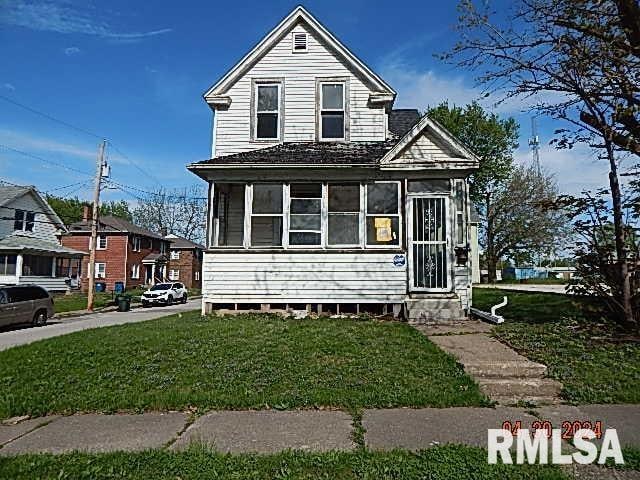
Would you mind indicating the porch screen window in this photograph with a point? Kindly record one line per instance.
(23, 221)
(266, 215)
(230, 214)
(383, 214)
(461, 234)
(8, 264)
(332, 111)
(267, 111)
(37, 266)
(343, 214)
(305, 209)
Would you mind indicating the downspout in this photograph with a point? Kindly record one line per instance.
(493, 317)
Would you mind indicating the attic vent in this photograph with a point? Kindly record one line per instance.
(299, 42)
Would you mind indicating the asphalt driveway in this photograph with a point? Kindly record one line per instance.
(62, 326)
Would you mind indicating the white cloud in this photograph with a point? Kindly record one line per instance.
(26, 141)
(70, 51)
(65, 18)
(8, 86)
(575, 170)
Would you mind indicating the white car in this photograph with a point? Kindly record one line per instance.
(165, 294)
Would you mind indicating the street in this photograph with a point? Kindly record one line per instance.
(62, 326)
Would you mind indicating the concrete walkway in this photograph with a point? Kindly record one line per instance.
(504, 375)
(69, 324)
(309, 430)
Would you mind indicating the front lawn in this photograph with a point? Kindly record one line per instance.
(232, 362)
(438, 463)
(584, 354)
(78, 301)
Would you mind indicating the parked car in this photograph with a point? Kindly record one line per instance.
(25, 304)
(165, 294)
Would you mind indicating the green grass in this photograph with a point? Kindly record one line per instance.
(439, 463)
(586, 355)
(232, 362)
(78, 301)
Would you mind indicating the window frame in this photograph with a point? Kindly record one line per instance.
(135, 271)
(174, 254)
(460, 212)
(248, 216)
(266, 82)
(399, 215)
(26, 224)
(345, 108)
(136, 243)
(100, 237)
(172, 277)
(361, 217)
(321, 214)
(96, 270)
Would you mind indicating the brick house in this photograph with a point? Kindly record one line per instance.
(185, 257)
(125, 252)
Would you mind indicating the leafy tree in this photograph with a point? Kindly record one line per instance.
(579, 61)
(520, 223)
(491, 138)
(71, 210)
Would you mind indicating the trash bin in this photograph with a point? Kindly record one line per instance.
(101, 287)
(118, 287)
(124, 303)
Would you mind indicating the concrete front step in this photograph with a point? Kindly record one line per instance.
(520, 388)
(434, 310)
(508, 401)
(505, 369)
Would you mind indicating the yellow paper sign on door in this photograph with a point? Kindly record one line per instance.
(383, 229)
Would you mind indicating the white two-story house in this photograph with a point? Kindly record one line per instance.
(322, 196)
(30, 248)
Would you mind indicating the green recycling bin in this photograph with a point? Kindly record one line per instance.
(124, 303)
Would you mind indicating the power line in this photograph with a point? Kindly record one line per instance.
(52, 162)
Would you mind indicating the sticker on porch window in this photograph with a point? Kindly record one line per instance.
(383, 229)
(399, 260)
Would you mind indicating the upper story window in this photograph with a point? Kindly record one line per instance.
(332, 111)
(135, 244)
(267, 111)
(175, 254)
(163, 247)
(101, 242)
(24, 220)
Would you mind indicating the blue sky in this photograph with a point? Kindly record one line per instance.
(135, 71)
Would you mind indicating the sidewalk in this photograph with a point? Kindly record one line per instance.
(269, 431)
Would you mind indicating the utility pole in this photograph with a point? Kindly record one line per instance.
(94, 226)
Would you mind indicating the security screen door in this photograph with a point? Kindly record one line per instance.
(429, 256)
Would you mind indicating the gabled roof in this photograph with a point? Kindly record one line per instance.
(418, 129)
(297, 15)
(180, 243)
(9, 193)
(109, 223)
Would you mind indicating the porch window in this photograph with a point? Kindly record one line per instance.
(343, 214)
(24, 220)
(267, 119)
(332, 109)
(461, 233)
(383, 214)
(305, 209)
(266, 215)
(8, 264)
(229, 208)
(37, 266)
(67, 267)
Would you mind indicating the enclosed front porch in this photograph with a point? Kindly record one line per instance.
(293, 244)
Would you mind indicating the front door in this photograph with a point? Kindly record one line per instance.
(428, 244)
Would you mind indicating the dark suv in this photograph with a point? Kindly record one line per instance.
(25, 304)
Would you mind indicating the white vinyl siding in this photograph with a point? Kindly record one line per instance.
(322, 277)
(425, 148)
(300, 73)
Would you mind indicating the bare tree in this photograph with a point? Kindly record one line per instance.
(579, 61)
(519, 220)
(180, 211)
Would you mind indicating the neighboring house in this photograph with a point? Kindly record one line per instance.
(321, 196)
(185, 257)
(124, 252)
(30, 249)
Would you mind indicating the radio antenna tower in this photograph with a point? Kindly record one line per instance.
(534, 143)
